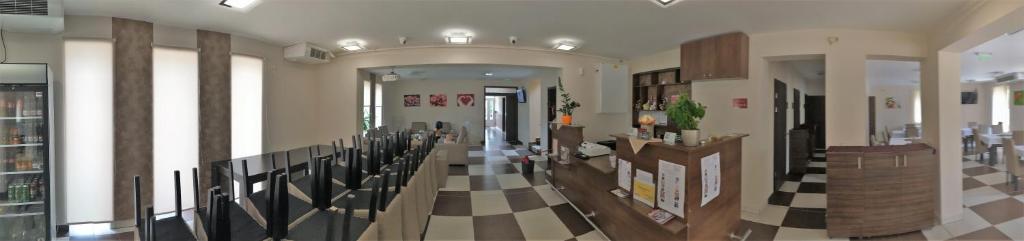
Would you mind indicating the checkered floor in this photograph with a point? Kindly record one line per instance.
(993, 210)
(491, 199)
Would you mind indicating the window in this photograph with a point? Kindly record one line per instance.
(89, 130)
(1001, 106)
(175, 124)
(917, 106)
(378, 97)
(246, 106)
(246, 109)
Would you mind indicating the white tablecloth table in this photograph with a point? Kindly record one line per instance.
(965, 132)
(1020, 151)
(992, 139)
(895, 141)
(898, 134)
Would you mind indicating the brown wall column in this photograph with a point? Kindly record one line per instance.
(133, 113)
(214, 103)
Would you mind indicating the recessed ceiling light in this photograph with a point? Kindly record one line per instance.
(352, 46)
(240, 4)
(458, 38)
(666, 3)
(488, 74)
(565, 46)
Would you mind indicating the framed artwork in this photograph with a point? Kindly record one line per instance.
(1018, 97)
(412, 100)
(439, 100)
(466, 100)
(890, 103)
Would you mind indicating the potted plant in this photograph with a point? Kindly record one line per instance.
(568, 104)
(687, 115)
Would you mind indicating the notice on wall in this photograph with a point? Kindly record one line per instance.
(643, 187)
(671, 187)
(625, 175)
(710, 177)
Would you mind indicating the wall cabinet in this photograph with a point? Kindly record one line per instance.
(718, 57)
(881, 190)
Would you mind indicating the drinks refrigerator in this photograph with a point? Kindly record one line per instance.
(26, 164)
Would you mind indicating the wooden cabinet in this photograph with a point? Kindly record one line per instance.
(719, 57)
(881, 190)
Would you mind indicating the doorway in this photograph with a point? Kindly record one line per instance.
(815, 109)
(551, 112)
(501, 116)
(779, 167)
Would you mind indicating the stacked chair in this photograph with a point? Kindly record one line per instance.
(151, 229)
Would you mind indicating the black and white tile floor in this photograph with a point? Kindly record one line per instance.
(491, 199)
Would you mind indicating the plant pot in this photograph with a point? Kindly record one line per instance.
(691, 137)
(567, 119)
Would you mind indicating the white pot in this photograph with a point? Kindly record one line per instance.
(691, 137)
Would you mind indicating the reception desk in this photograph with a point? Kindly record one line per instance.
(586, 184)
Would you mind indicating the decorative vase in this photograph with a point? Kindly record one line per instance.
(649, 131)
(691, 137)
(567, 119)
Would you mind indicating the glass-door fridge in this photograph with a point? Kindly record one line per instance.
(25, 152)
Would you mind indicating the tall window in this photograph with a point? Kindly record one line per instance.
(377, 96)
(89, 130)
(917, 106)
(175, 124)
(246, 106)
(1001, 106)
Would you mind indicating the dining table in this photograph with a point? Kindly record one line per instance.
(992, 142)
(1020, 151)
(256, 166)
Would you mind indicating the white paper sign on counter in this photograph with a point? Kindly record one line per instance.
(672, 187)
(711, 178)
(625, 175)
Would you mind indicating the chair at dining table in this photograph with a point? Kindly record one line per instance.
(972, 124)
(997, 129)
(1014, 171)
(1018, 137)
(419, 126)
(912, 131)
(979, 146)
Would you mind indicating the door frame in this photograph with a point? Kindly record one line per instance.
(507, 123)
(779, 104)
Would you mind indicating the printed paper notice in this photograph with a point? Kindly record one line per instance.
(671, 187)
(711, 178)
(625, 175)
(643, 187)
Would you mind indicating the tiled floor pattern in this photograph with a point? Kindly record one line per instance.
(993, 210)
(491, 199)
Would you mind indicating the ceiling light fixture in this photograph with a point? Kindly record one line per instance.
(565, 45)
(488, 74)
(238, 4)
(666, 3)
(352, 46)
(458, 38)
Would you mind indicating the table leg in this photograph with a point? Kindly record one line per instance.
(992, 155)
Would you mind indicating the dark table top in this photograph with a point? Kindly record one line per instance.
(258, 165)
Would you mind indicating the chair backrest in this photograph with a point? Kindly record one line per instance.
(375, 193)
(1018, 137)
(997, 129)
(977, 141)
(382, 203)
(1011, 157)
(419, 126)
(446, 127)
(177, 194)
(912, 131)
(277, 224)
(137, 191)
(463, 136)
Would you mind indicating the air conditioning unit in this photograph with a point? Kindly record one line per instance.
(32, 16)
(308, 54)
(1010, 77)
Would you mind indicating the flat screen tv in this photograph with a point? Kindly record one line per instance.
(968, 98)
(521, 95)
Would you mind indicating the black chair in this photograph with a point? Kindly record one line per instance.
(263, 200)
(170, 228)
(307, 184)
(363, 198)
(239, 224)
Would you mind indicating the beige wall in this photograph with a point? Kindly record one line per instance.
(338, 81)
(396, 115)
(845, 89)
(894, 118)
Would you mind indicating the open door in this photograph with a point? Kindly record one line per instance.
(779, 170)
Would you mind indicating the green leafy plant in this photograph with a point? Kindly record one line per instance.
(686, 113)
(568, 104)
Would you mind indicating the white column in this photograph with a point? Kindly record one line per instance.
(940, 102)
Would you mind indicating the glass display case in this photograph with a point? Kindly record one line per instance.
(25, 166)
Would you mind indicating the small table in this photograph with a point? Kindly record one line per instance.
(899, 141)
(1020, 151)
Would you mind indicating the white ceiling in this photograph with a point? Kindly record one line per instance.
(811, 69)
(1007, 56)
(893, 72)
(611, 28)
(465, 72)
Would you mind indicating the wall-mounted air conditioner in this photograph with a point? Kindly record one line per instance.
(308, 54)
(32, 16)
(1010, 77)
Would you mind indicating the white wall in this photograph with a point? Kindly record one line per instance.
(396, 115)
(845, 90)
(896, 118)
(338, 81)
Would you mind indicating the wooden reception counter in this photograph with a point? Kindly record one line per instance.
(586, 184)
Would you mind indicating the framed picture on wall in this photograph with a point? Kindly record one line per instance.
(439, 100)
(412, 100)
(1018, 97)
(466, 100)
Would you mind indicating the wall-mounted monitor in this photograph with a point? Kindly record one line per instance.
(521, 95)
(968, 98)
